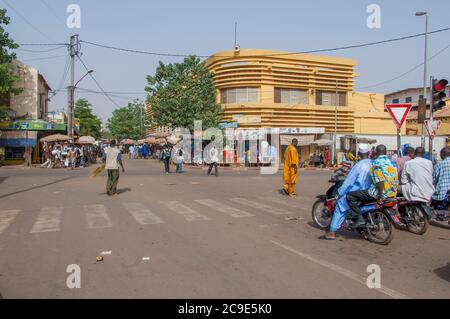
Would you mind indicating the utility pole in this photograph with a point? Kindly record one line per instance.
(333, 148)
(73, 51)
(430, 141)
(418, 14)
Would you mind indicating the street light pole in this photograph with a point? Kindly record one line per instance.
(419, 14)
(333, 149)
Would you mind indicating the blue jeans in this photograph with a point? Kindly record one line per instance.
(180, 168)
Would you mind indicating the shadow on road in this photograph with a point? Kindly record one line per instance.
(443, 272)
(35, 187)
(123, 190)
(3, 178)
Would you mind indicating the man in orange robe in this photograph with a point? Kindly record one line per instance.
(290, 174)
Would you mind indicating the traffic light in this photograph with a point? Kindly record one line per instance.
(439, 94)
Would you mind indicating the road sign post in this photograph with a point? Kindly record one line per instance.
(398, 112)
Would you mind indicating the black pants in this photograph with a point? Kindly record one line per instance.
(166, 165)
(356, 198)
(210, 168)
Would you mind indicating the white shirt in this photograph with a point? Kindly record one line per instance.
(112, 155)
(417, 180)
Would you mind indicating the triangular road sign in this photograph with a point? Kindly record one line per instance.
(399, 112)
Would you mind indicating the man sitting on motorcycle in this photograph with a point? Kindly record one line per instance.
(441, 176)
(417, 178)
(384, 184)
(357, 179)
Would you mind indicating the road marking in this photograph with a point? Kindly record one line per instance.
(347, 273)
(288, 202)
(96, 216)
(142, 215)
(263, 207)
(188, 213)
(223, 208)
(48, 221)
(6, 217)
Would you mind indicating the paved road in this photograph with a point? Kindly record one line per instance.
(195, 236)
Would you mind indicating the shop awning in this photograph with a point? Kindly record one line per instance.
(18, 139)
(303, 139)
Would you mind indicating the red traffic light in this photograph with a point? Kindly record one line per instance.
(440, 85)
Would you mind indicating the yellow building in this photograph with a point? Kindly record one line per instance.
(262, 88)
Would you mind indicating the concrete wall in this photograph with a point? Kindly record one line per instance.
(28, 100)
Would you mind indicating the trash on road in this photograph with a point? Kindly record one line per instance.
(145, 258)
(292, 218)
(99, 258)
(106, 252)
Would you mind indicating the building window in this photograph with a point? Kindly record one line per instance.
(420, 96)
(290, 96)
(329, 98)
(408, 99)
(395, 101)
(239, 95)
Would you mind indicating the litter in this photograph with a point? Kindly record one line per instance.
(106, 252)
(145, 258)
(292, 218)
(99, 258)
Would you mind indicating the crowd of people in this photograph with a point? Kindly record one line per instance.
(67, 155)
(376, 180)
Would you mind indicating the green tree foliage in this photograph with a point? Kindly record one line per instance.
(7, 78)
(180, 93)
(128, 122)
(90, 124)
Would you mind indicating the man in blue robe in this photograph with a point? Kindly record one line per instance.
(357, 179)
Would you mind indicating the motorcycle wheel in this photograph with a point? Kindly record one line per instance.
(382, 232)
(420, 223)
(320, 214)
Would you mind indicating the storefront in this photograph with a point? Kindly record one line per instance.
(19, 137)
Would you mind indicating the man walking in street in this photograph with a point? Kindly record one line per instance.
(357, 179)
(112, 159)
(290, 173)
(131, 151)
(165, 158)
(384, 184)
(213, 161)
(417, 178)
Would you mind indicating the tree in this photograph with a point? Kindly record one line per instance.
(90, 124)
(7, 77)
(180, 93)
(128, 122)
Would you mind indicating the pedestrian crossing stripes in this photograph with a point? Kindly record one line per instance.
(141, 214)
(223, 208)
(96, 216)
(188, 213)
(48, 221)
(260, 206)
(6, 217)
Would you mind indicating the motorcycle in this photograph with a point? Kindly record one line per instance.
(379, 225)
(415, 216)
(441, 209)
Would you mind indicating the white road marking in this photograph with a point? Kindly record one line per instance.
(48, 221)
(347, 273)
(269, 226)
(260, 206)
(142, 215)
(223, 208)
(6, 217)
(188, 213)
(109, 252)
(96, 216)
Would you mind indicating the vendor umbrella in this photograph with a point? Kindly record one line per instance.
(56, 138)
(86, 140)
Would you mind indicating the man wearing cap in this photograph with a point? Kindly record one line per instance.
(357, 179)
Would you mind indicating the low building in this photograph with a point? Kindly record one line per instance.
(28, 116)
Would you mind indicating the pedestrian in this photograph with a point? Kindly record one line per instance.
(144, 151)
(112, 159)
(165, 158)
(213, 161)
(179, 161)
(290, 173)
(72, 156)
(131, 152)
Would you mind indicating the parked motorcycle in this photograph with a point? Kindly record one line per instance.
(379, 225)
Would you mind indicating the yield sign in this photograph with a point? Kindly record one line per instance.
(398, 112)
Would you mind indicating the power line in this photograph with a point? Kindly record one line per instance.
(266, 55)
(41, 51)
(53, 12)
(42, 44)
(405, 73)
(45, 58)
(26, 21)
(96, 82)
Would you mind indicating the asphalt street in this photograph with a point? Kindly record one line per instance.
(195, 236)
